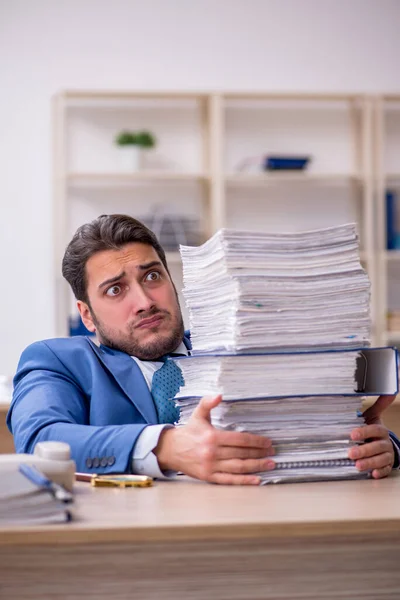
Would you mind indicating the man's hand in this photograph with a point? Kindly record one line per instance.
(201, 451)
(377, 453)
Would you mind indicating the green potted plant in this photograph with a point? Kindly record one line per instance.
(131, 145)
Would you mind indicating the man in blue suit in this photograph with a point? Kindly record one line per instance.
(97, 396)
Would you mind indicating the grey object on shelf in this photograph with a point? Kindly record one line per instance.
(173, 229)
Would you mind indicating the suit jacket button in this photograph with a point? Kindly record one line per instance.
(96, 462)
(89, 463)
(104, 461)
(111, 461)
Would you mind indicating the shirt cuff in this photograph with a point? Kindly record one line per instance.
(396, 447)
(144, 461)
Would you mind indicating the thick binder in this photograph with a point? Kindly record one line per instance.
(376, 371)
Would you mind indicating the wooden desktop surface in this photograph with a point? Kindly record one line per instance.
(191, 510)
(191, 540)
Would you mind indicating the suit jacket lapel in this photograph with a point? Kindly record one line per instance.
(130, 378)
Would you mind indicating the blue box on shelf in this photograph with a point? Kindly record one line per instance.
(285, 163)
(76, 327)
(392, 219)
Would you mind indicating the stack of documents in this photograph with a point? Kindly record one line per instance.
(310, 435)
(267, 375)
(280, 327)
(27, 499)
(260, 291)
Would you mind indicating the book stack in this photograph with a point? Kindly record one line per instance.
(27, 497)
(280, 326)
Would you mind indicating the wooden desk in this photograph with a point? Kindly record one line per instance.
(190, 540)
(6, 439)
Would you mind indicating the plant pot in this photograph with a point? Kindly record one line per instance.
(129, 158)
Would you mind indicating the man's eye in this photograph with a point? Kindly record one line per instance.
(113, 290)
(153, 276)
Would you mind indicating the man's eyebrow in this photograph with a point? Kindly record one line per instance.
(144, 267)
(153, 263)
(112, 280)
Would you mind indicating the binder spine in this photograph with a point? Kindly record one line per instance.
(304, 464)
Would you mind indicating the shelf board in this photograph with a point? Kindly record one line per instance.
(393, 176)
(87, 95)
(289, 176)
(118, 179)
(392, 255)
(391, 336)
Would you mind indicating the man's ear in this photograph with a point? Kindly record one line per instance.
(86, 316)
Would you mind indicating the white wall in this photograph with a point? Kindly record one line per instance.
(48, 45)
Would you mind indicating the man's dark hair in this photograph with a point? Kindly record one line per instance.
(107, 232)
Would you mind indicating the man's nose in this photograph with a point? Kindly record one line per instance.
(141, 300)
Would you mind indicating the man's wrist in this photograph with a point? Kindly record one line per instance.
(163, 450)
(144, 461)
(396, 448)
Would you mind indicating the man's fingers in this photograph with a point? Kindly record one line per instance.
(241, 439)
(227, 452)
(376, 462)
(374, 412)
(369, 431)
(230, 479)
(380, 473)
(370, 449)
(250, 465)
(204, 407)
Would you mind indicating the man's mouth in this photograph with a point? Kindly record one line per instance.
(150, 322)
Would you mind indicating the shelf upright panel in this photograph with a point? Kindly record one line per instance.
(61, 295)
(364, 163)
(387, 174)
(380, 216)
(216, 184)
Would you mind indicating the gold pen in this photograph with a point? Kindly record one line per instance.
(121, 481)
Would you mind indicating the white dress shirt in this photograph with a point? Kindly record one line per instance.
(144, 461)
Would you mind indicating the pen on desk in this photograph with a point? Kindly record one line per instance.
(85, 476)
(37, 477)
(121, 480)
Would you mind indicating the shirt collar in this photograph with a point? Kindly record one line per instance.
(180, 350)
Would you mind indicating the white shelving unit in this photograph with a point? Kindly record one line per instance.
(203, 139)
(387, 177)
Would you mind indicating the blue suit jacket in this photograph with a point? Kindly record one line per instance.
(94, 398)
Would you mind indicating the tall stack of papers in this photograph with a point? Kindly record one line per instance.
(278, 324)
(258, 291)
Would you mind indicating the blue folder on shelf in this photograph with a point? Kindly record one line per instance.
(392, 218)
(76, 326)
(286, 163)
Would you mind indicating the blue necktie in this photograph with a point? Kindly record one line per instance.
(166, 383)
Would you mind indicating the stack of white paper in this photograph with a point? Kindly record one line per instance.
(260, 307)
(310, 435)
(259, 291)
(267, 375)
(25, 502)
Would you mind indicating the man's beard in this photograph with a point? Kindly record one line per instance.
(150, 350)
